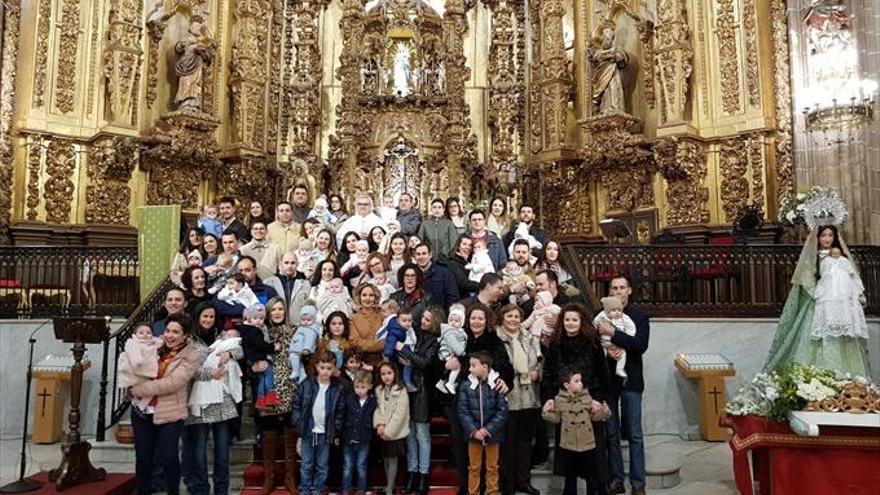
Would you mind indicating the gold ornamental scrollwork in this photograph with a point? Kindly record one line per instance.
(248, 179)
(564, 194)
(58, 190)
(646, 36)
(41, 59)
(180, 150)
(68, 41)
(8, 72)
(728, 56)
(506, 89)
(111, 161)
(248, 81)
(122, 60)
(733, 163)
(619, 154)
(673, 54)
(155, 30)
(750, 31)
(782, 85)
(34, 162)
(682, 162)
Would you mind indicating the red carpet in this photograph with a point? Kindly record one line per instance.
(115, 484)
(434, 491)
(444, 480)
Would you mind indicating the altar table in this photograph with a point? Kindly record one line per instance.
(841, 460)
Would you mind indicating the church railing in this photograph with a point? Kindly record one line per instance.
(730, 281)
(70, 281)
(147, 311)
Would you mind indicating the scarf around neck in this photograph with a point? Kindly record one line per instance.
(519, 357)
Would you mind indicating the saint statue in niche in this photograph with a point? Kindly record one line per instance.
(606, 64)
(401, 71)
(195, 52)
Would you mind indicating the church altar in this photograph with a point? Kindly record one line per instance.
(841, 459)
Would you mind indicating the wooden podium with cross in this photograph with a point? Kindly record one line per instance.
(709, 370)
(52, 376)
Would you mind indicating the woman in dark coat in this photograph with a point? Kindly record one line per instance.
(194, 281)
(458, 258)
(410, 280)
(576, 343)
(423, 359)
(479, 325)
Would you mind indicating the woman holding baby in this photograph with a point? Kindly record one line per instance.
(212, 408)
(159, 424)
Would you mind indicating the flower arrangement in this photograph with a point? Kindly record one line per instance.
(795, 388)
(813, 206)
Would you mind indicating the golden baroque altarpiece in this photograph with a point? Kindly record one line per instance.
(584, 108)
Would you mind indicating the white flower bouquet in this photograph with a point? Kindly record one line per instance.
(774, 394)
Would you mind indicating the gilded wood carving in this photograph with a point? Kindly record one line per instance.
(68, 45)
(8, 73)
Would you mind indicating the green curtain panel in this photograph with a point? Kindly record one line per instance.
(158, 241)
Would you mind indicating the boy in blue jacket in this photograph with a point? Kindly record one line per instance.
(482, 411)
(359, 408)
(317, 417)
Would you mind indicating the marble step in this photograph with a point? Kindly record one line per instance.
(662, 467)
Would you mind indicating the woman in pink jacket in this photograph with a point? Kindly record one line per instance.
(159, 424)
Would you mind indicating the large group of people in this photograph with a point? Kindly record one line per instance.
(352, 332)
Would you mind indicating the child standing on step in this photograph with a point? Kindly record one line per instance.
(574, 411)
(360, 406)
(317, 416)
(391, 420)
(482, 412)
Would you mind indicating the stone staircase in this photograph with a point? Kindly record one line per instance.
(444, 480)
(663, 463)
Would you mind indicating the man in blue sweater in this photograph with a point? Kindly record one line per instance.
(625, 399)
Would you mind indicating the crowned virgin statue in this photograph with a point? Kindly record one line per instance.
(823, 323)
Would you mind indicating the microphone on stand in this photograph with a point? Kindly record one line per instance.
(23, 484)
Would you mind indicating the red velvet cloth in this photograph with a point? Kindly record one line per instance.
(840, 460)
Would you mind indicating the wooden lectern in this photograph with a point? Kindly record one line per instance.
(52, 375)
(76, 468)
(710, 370)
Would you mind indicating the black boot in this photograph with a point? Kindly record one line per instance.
(412, 482)
(424, 484)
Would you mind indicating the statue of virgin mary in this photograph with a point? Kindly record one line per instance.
(401, 70)
(823, 323)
